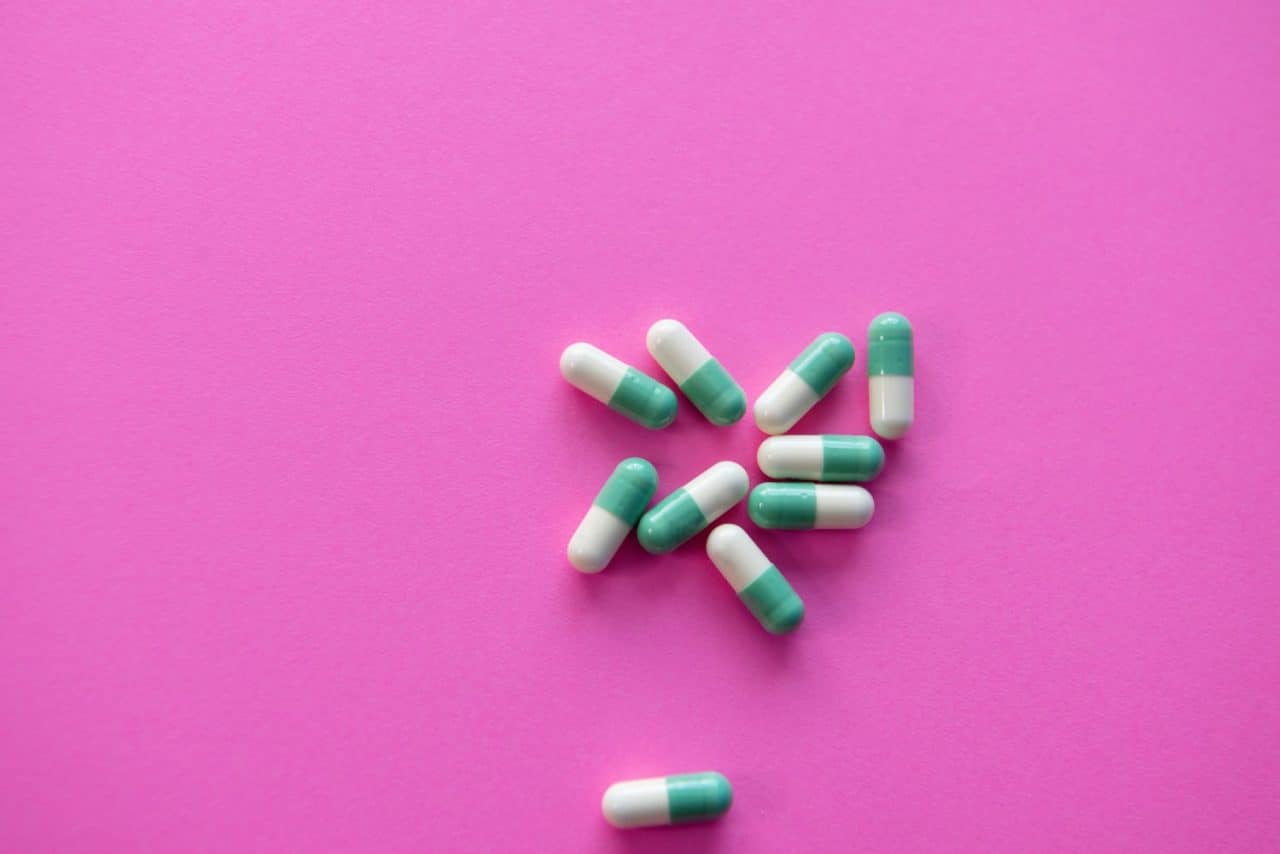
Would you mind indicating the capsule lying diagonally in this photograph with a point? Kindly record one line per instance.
(677, 518)
(618, 385)
(613, 514)
(700, 376)
(677, 799)
(755, 579)
(805, 381)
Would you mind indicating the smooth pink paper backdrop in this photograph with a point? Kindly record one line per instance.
(287, 468)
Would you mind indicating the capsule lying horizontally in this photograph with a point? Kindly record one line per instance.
(802, 506)
(702, 379)
(613, 514)
(692, 507)
(891, 375)
(755, 579)
(618, 385)
(827, 458)
(678, 799)
(805, 381)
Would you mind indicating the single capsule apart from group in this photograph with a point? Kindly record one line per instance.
(613, 514)
(758, 583)
(805, 381)
(827, 458)
(702, 379)
(803, 506)
(618, 385)
(678, 799)
(891, 375)
(692, 507)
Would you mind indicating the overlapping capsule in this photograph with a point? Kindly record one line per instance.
(682, 514)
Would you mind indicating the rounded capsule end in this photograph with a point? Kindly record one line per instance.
(638, 472)
(584, 558)
(728, 408)
(660, 332)
(720, 540)
(786, 617)
(838, 349)
(650, 534)
(662, 410)
(770, 418)
(890, 326)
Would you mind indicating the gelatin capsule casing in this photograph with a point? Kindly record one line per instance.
(615, 511)
(805, 382)
(891, 375)
(809, 506)
(758, 583)
(828, 458)
(619, 386)
(697, 373)
(691, 508)
(676, 799)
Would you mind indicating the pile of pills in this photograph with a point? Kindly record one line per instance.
(814, 487)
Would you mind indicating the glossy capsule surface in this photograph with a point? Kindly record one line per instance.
(806, 506)
(613, 514)
(676, 799)
(805, 382)
(891, 380)
(700, 377)
(682, 514)
(758, 583)
(831, 458)
(618, 385)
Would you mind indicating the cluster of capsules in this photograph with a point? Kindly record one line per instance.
(815, 488)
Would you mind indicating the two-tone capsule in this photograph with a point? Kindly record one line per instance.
(805, 381)
(758, 583)
(805, 506)
(618, 385)
(891, 375)
(692, 507)
(702, 379)
(827, 458)
(677, 799)
(613, 514)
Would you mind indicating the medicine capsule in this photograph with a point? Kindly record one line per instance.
(826, 458)
(755, 579)
(678, 799)
(805, 381)
(618, 385)
(613, 514)
(692, 507)
(891, 375)
(702, 379)
(802, 506)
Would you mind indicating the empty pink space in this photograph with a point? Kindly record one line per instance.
(287, 469)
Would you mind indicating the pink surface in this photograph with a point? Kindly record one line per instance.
(287, 469)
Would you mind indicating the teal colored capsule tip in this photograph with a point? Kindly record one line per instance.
(825, 361)
(784, 506)
(629, 489)
(716, 394)
(670, 523)
(644, 400)
(774, 602)
(889, 346)
(698, 797)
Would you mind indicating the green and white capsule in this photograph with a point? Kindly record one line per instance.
(891, 375)
(805, 506)
(828, 458)
(618, 385)
(613, 514)
(702, 379)
(806, 381)
(678, 799)
(692, 507)
(755, 579)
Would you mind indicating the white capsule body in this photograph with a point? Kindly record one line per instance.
(793, 457)
(843, 506)
(783, 403)
(596, 540)
(676, 349)
(737, 556)
(637, 803)
(592, 370)
(718, 488)
(893, 404)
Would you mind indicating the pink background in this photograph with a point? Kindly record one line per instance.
(287, 468)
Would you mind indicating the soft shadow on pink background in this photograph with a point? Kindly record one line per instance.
(287, 469)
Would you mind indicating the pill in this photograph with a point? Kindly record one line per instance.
(618, 385)
(801, 506)
(827, 458)
(805, 381)
(692, 507)
(702, 379)
(891, 375)
(613, 514)
(677, 799)
(758, 583)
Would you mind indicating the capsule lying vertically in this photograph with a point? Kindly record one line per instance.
(758, 583)
(692, 507)
(702, 379)
(891, 375)
(678, 799)
(830, 458)
(805, 381)
(805, 506)
(618, 385)
(613, 514)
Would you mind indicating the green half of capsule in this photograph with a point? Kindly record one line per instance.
(671, 522)
(846, 458)
(824, 362)
(773, 601)
(644, 400)
(889, 348)
(629, 489)
(784, 506)
(715, 393)
(698, 797)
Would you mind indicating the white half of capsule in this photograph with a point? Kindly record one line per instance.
(783, 403)
(592, 370)
(637, 803)
(842, 506)
(893, 404)
(791, 457)
(737, 556)
(718, 488)
(596, 540)
(673, 347)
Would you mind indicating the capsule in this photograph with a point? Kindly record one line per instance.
(692, 507)
(702, 379)
(805, 381)
(826, 458)
(755, 579)
(891, 375)
(618, 385)
(613, 514)
(678, 799)
(803, 506)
